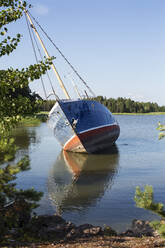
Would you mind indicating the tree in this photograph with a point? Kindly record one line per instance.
(16, 101)
(146, 200)
(124, 105)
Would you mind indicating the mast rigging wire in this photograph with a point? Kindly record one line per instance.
(32, 33)
(51, 84)
(35, 54)
(62, 54)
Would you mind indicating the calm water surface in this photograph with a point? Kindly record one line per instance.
(97, 189)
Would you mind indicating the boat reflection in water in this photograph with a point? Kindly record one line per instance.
(77, 181)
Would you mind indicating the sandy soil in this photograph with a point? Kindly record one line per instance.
(106, 242)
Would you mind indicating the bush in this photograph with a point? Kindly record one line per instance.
(145, 199)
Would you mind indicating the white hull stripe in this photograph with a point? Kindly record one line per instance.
(94, 128)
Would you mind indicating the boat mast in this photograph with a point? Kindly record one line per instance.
(48, 56)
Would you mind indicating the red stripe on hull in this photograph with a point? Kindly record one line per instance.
(93, 140)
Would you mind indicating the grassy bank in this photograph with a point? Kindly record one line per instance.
(151, 113)
(34, 120)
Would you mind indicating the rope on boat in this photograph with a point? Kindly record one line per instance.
(72, 67)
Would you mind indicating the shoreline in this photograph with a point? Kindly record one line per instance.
(151, 113)
(53, 231)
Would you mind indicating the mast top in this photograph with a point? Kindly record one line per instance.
(47, 54)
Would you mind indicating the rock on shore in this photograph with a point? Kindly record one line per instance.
(47, 227)
(55, 232)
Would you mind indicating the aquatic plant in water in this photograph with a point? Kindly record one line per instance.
(162, 130)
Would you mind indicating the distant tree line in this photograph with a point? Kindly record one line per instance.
(119, 105)
(126, 105)
(46, 105)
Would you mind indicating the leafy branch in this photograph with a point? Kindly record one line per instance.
(145, 199)
(16, 101)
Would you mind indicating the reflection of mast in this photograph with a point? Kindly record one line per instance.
(48, 56)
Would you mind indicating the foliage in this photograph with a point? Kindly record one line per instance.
(30, 121)
(15, 94)
(162, 130)
(46, 105)
(7, 149)
(16, 102)
(34, 120)
(145, 199)
(124, 105)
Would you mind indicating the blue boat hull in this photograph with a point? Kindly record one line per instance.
(83, 125)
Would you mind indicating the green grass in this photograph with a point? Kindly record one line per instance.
(151, 113)
(30, 121)
(34, 120)
(43, 112)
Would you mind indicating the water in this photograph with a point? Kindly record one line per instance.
(97, 189)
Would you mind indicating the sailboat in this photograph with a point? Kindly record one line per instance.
(81, 125)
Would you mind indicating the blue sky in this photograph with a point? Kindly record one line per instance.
(117, 46)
